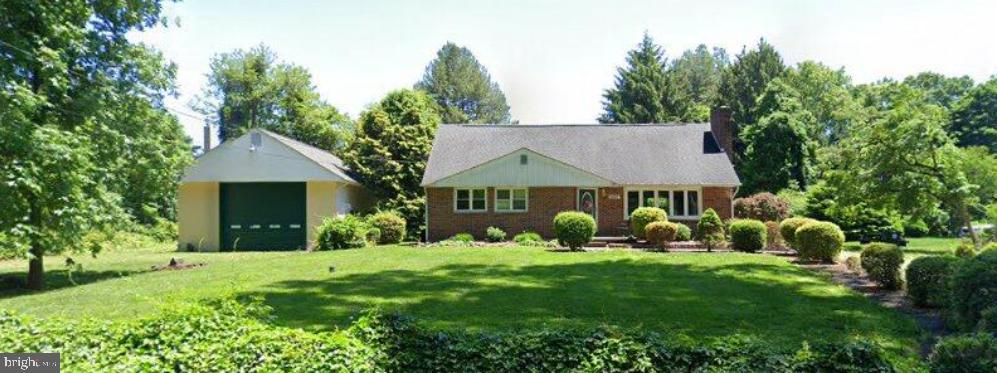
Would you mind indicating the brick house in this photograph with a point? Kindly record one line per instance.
(517, 177)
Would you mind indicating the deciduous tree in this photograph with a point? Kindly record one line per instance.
(779, 150)
(84, 132)
(974, 117)
(251, 89)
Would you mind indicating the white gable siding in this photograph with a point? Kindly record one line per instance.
(540, 171)
(232, 161)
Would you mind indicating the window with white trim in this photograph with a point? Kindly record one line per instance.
(678, 202)
(470, 200)
(511, 200)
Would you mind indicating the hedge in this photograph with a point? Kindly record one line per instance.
(882, 261)
(974, 288)
(747, 235)
(818, 241)
(969, 353)
(660, 233)
(643, 216)
(928, 280)
(230, 336)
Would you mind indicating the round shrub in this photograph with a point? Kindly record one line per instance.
(494, 234)
(660, 233)
(773, 239)
(965, 353)
(818, 241)
(882, 261)
(974, 288)
(684, 233)
(574, 229)
(462, 237)
(528, 238)
(966, 249)
(788, 227)
(347, 232)
(710, 229)
(644, 216)
(391, 225)
(761, 206)
(748, 235)
(928, 280)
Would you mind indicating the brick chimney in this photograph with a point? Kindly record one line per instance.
(720, 126)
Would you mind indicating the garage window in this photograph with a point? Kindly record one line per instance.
(470, 200)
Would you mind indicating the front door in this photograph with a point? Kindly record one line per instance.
(588, 202)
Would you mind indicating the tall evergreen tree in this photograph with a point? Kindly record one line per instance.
(390, 150)
(743, 82)
(250, 89)
(697, 73)
(463, 88)
(644, 91)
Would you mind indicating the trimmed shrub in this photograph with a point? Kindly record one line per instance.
(788, 227)
(819, 241)
(348, 232)
(644, 216)
(762, 206)
(974, 288)
(660, 233)
(966, 249)
(391, 225)
(574, 229)
(684, 233)
(748, 235)
(882, 261)
(773, 239)
(928, 280)
(462, 238)
(494, 234)
(526, 238)
(970, 353)
(710, 230)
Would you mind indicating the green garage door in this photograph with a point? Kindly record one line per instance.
(263, 216)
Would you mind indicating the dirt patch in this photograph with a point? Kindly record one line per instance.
(175, 265)
(929, 320)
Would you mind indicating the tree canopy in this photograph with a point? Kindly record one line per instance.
(86, 141)
(251, 89)
(974, 117)
(644, 91)
(743, 82)
(463, 88)
(390, 150)
(779, 147)
(697, 73)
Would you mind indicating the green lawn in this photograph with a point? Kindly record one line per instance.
(922, 246)
(701, 295)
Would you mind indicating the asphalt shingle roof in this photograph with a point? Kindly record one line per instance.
(648, 154)
(322, 157)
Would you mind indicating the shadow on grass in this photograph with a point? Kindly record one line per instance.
(12, 284)
(780, 303)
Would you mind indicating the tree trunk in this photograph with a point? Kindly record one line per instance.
(968, 220)
(36, 269)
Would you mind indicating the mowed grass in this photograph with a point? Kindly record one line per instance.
(702, 295)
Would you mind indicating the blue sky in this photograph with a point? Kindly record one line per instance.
(553, 59)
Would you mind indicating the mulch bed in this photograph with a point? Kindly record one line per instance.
(175, 265)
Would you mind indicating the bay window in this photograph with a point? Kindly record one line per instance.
(680, 203)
